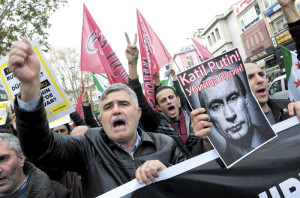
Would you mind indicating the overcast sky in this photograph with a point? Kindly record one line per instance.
(172, 20)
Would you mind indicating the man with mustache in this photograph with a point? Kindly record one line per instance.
(105, 157)
(172, 120)
(227, 105)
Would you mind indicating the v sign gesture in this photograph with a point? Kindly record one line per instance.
(132, 54)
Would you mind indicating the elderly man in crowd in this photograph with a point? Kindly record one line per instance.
(105, 157)
(19, 178)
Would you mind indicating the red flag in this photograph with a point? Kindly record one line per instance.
(154, 56)
(202, 51)
(96, 53)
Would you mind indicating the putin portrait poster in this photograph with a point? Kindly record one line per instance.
(220, 85)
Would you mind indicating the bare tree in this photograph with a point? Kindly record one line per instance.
(65, 63)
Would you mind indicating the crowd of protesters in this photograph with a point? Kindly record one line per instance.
(130, 140)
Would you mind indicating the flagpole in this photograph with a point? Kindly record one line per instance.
(176, 65)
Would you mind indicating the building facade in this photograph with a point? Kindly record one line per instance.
(222, 34)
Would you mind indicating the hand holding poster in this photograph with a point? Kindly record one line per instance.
(56, 102)
(220, 86)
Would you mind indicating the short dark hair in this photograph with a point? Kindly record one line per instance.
(216, 72)
(68, 127)
(162, 88)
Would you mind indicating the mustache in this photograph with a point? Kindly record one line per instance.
(118, 117)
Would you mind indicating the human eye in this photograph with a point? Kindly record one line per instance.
(106, 107)
(171, 97)
(261, 74)
(250, 76)
(216, 107)
(124, 103)
(233, 98)
(163, 100)
(3, 158)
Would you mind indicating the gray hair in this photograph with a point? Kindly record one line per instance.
(14, 143)
(118, 87)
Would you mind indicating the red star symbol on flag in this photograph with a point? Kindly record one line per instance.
(297, 83)
(298, 65)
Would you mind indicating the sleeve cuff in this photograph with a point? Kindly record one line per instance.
(30, 105)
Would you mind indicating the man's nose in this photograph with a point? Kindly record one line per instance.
(116, 110)
(168, 100)
(259, 79)
(229, 113)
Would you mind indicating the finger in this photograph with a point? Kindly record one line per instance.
(203, 132)
(127, 38)
(150, 172)
(200, 117)
(135, 39)
(196, 112)
(25, 40)
(291, 109)
(138, 176)
(143, 174)
(297, 109)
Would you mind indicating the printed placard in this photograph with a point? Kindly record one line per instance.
(56, 101)
(220, 85)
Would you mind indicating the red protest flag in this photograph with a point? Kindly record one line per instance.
(202, 51)
(96, 53)
(154, 56)
(158, 54)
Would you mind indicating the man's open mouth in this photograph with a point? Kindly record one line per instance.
(171, 110)
(119, 123)
(1, 180)
(261, 90)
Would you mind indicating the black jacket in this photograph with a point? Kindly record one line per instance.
(160, 123)
(102, 164)
(277, 106)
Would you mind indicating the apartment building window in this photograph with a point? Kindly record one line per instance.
(217, 33)
(278, 25)
(213, 37)
(268, 3)
(209, 41)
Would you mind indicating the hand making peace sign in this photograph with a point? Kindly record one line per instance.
(132, 51)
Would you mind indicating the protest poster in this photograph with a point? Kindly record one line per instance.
(56, 101)
(220, 85)
(3, 113)
(63, 120)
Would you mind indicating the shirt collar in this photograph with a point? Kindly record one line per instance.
(137, 142)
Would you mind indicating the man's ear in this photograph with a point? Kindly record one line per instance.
(140, 112)
(158, 108)
(22, 159)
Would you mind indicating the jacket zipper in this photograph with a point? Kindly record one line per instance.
(132, 156)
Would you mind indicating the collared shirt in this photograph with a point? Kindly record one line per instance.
(28, 106)
(137, 142)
